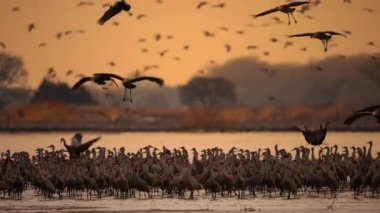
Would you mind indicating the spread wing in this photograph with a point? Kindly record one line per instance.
(297, 3)
(109, 75)
(111, 12)
(267, 12)
(85, 146)
(301, 35)
(153, 79)
(81, 81)
(360, 113)
(335, 33)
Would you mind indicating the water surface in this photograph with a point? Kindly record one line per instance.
(133, 141)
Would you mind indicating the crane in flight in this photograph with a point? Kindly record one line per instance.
(285, 8)
(323, 36)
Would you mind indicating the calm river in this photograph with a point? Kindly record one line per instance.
(133, 141)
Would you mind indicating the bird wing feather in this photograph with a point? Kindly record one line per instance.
(301, 35)
(267, 12)
(370, 108)
(355, 116)
(360, 113)
(85, 146)
(297, 3)
(153, 79)
(110, 75)
(335, 33)
(81, 81)
(111, 12)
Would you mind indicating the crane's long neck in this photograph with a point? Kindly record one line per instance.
(369, 153)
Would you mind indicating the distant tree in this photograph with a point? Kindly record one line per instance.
(12, 70)
(61, 92)
(208, 92)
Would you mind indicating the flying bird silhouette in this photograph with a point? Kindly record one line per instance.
(98, 78)
(323, 36)
(227, 47)
(129, 84)
(148, 67)
(314, 137)
(31, 27)
(43, 44)
(201, 4)
(15, 9)
(251, 47)
(208, 34)
(373, 111)
(69, 72)
(163, 53)
(114, 10)
(58, 35)
(285, 8)
(140, 16)
(157, 37)
(85, 3)
(221, 5)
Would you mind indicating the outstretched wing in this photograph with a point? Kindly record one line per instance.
(111, 12)
(297, 3)
(266, 12)
(355, 116)
(369, 109)
(81, 81)
(153, 79)
(109, 75)
(360, 113)
(301, 35)
(85, 146)
(335, 33)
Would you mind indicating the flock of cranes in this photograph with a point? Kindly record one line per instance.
(169, 173)
(176, 173)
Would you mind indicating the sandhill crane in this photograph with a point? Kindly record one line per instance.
(75, 151)
(314, 137)
(323, 36)
(129, 84)
(99, 78)
(114, 10)
(368, 111)
(285, 8)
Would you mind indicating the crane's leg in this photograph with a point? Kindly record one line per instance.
(295, 21)
(288, 19)
(130, 96)
(125, 94)
(326, 45)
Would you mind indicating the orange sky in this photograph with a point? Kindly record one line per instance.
(90, 52)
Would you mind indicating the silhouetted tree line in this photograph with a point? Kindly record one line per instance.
(61, 92)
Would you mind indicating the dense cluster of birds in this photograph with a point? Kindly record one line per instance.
(213, 172)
